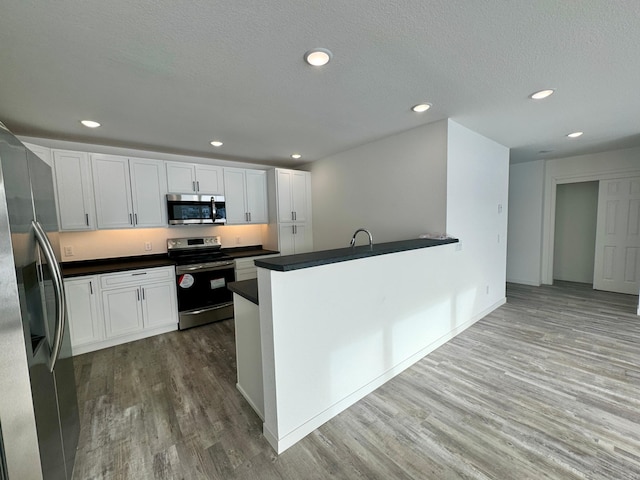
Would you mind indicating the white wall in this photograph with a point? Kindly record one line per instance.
(524, 243)
(131, 242)
(395, 187)
(575, 227)
(477, 200)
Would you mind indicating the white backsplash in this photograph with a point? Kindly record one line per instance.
(131, 242)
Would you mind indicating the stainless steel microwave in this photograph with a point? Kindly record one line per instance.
(191, 209)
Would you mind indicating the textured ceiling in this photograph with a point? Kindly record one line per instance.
(171, 76)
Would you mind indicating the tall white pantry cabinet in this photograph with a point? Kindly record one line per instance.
(290, 226)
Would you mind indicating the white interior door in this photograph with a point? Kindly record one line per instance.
(617, 259)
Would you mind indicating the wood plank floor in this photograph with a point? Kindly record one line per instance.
(547, 386)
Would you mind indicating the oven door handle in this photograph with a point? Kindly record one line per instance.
(196, 268)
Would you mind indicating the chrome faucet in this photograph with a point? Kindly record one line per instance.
(353, 240)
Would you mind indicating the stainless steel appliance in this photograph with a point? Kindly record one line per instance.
(202, 275)
(196, 209)
(39, 422)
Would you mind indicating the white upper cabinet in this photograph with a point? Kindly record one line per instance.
(112, 190)
(209, 179)
(128, 193)
(246, 196)
(293, 190)
(74, 190)
(148, 192)
(193, 178)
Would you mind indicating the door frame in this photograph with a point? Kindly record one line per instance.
(549, 211)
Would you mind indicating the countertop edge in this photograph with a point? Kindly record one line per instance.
(247, 289)
(326, 257)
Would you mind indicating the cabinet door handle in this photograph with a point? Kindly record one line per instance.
(90, 287)
(131, 219)
(198, 186)
(293, 229)
(142, 292)
(139, 273)
(249, 216)
(86, 218)
(135, 218)
(293, 217)
(138, 294)
(193, 186)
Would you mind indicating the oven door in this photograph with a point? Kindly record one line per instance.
(203, 296)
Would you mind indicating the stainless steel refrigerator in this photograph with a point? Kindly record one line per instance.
(39, 422)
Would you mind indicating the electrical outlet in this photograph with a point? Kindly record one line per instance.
(458, 246)
(68, 251)
(147, 246)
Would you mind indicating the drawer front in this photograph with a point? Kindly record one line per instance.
(136, 277)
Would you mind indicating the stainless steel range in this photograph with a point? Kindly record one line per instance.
(202, 275)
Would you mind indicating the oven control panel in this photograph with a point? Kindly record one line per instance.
(193, 243)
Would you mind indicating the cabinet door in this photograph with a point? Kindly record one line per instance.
(181, 177)
(148, 193)
(286, 243)
(234, 187)
(122, 311)
(256, 195)
(284, 186)
(299, 195)
(160, 306)
(85, 322)
(112, 191)
(209, 180)
(302, 238)
(73, 190)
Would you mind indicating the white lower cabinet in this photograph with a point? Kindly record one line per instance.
(246, 269)
(294, 239)
(114, 308)
(85, 323)
(122, 311)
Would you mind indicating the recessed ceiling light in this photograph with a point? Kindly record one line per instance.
(542, 94)
(216, 143)
(318, 57)
(296, 156)
(575, 134)
(90, 123)
(422, 107)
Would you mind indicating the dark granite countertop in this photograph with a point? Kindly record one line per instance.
(246, 288)
(109, 265)
(252, 251)
(324, 257)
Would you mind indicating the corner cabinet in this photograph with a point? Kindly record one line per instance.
(128, 192)
(194, 178)
(115, 308)
(290, 206)
(246, 196)
(73, 190)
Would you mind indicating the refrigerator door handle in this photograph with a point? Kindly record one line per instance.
(56, 275)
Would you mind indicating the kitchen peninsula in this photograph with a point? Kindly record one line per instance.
(335, 325)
